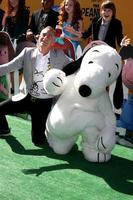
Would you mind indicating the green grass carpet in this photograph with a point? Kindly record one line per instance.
(32, 173)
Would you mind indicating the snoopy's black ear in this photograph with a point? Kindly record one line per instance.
(118, 93)
(73, 66)
(126, 52)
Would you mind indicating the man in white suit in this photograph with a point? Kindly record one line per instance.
(34, 61)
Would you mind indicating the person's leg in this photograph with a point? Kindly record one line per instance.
(4, 130)
(40, 111)
(10, 107)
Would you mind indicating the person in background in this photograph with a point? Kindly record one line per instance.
(16, 19)
(6, 54)
(106, 28)
(15, 23)
(1, 16)
(70, 19)
(42, 18)
(126, 117)
(35, 61)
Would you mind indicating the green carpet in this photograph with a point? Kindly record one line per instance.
(32, 173)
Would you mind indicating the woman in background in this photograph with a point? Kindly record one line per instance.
(70, 18)
(16, 19)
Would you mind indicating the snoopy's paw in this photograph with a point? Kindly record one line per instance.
(54, 81)
(93, 155)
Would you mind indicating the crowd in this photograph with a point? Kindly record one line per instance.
(36, 46)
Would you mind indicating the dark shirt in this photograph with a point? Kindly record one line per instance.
(19, 27)
(40, 20)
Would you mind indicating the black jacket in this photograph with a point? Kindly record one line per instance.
(114, 33)
(1, 17)
(15, 29)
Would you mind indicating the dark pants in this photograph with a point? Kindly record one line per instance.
(37, 108)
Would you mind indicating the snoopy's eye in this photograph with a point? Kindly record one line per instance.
(117, 66)
(95, 50)
(60, 79)
(90, 62)
(109, 74)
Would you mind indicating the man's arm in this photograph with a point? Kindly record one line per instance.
(15, 64)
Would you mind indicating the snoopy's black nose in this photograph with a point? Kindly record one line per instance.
(84, 91)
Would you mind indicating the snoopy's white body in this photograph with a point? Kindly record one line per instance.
(76, 114)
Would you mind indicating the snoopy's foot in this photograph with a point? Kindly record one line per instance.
(93, 155)
(60, 146)
(60, 149)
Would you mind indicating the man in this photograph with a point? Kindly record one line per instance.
(42, 18)
(35, 62)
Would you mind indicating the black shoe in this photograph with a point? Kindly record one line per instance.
(5, 132)
(122, 140)
(129, 139)
(43, 145)
(40, 143)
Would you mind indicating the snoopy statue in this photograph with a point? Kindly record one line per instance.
(83, 107)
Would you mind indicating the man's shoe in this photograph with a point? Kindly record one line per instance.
(5, 132)
(40, 143)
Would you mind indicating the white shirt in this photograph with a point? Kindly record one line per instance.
(42, 64)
